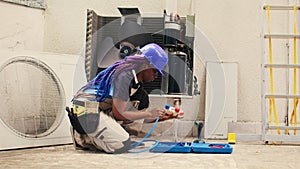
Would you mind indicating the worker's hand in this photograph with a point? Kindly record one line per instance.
(154, 113)
(165, 117)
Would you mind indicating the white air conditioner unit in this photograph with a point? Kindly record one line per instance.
(34, 90)
(221, 98)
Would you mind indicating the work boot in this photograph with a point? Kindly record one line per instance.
(75, 144)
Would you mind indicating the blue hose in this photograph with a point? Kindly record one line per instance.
(145, 139)
(145, 149)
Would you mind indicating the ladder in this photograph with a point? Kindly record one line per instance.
(280, 72)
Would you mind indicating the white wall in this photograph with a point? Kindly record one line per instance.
(21, 27)
(233, 27)
(66, 20)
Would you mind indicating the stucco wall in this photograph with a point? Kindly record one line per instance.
(21, 27)
(65, 25)
(233, 28)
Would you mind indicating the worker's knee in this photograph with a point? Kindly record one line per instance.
(110, 136)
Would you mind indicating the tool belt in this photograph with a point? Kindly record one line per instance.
(84, 116)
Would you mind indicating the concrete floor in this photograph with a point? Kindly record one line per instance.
(245, 155)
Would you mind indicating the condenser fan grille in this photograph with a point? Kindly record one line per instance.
(32, 97)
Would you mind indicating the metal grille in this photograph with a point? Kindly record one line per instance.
(108, 27)
(91, 41)
(99, 28)
(155, 26)
(32, 97)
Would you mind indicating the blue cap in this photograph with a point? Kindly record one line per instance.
(156, 56)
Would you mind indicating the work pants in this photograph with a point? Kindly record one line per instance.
(109, 136)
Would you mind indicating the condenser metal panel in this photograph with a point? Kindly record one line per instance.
(91, 44)
(108, 27)
(155, 26)
(98, 28)
(101, 27)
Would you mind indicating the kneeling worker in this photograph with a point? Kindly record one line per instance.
(105, 103)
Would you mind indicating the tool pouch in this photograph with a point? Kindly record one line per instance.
(84, 119)
(89, 122)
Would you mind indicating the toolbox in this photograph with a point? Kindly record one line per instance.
(211, 148)
(188, 147)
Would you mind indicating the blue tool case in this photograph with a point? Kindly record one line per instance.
(187, 147)
(211, 148)
(172, 147)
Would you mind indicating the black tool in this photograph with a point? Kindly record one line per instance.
(199, 126)
(74, 121)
